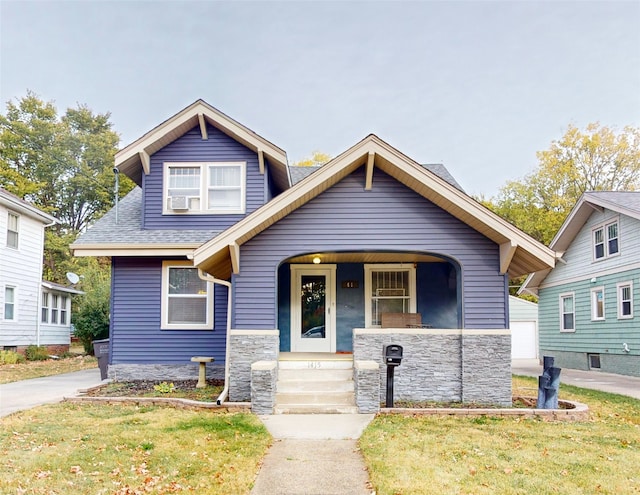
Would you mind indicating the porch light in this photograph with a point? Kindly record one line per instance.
(316, 260)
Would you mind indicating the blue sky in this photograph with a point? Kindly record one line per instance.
(478, 86)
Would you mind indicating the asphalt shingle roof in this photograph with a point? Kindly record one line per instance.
(128, 229)
(625, 199)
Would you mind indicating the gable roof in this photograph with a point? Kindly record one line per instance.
(133, 160)
(19, 205)
(299, 173)
(623, 202)
(519, 253)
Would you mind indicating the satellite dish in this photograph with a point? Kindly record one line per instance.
(73, 278)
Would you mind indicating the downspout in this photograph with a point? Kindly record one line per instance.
(208, 278)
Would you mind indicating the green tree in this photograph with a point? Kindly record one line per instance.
(91, 318)
(594, 159)
(62, 165)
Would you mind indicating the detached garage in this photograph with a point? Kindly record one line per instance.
(523, 321)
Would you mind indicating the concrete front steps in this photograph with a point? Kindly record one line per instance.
(315, 383)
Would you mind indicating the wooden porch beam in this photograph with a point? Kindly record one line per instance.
(234, 251)
(146, 161)
(261, 161)
(369, 180)
(507, 251)
(203, 127)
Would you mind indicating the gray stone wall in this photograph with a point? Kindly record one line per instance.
(366, 375)
(162, 372)
(430, 368)
(621, 364)
(248, 347)
(264, 375)
(486, 368)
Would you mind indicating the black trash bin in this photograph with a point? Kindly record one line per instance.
(101, 351)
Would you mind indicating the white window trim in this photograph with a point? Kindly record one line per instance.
(619, 287)
(15, 303)
(44, 307)
(204, 182)
(594, 316)
(17, 215)
(392, 267)
(560, 298)
(605, 238)
(164, 306)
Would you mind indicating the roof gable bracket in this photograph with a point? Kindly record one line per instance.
(203, 127)
(261, 161)
(507, 251)
(234, 251)
(146, 161)
(369, 179)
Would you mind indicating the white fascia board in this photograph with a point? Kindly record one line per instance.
(129, 250)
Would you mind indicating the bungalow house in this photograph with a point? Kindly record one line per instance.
(588, 310)
(282, 274)
(32, 311)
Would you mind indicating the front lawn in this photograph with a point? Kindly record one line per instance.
(446, 455)
(74, 361)
(125, 450)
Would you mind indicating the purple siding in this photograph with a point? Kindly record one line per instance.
(136, 336)
(388, 217)
(192, 148)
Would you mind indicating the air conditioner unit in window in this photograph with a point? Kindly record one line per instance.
(179, 202)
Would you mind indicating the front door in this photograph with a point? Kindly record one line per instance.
(313, 308)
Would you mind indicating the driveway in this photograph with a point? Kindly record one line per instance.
(595, 380)
(25, 394)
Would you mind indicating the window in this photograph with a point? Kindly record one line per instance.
(605, 241)
(597, 303)
(63, 310)
(54, 309)
(13, 222)
(389, 289)
(44, 316)
(567, 313)
(205, 187)
(9, 303)
(187, 300)
(625, 300)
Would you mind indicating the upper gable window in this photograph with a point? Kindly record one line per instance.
(605, 240)
(204, 188)
(13, 222)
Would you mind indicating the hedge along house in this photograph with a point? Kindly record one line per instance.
(307, 271)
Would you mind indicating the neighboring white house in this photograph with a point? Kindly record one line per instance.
(523, 321)
(21, 246)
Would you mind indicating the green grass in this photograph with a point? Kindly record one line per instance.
(37, 369)
(425, 455)
(99, 449)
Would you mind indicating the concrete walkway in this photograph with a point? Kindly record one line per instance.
(25, 394)
(595, 380)
(314, 454)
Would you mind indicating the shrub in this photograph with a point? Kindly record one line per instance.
(91, 319)
(11, 357)
(36, 353)
(164, 388)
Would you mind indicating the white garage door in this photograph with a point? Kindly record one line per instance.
(524, 344)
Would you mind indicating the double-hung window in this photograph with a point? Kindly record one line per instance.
(606, 240)
(625, 300)
(13, 229)
(9, 303)
(54, 309)
(597, 303)
(205, 187)
(567, 312)
(63, 310)
(44, 311)
(187, 300)
(389, 289)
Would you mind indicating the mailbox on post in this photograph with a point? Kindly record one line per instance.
(392, 355)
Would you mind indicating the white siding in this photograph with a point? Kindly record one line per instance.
(579, 257)
(22, 269)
